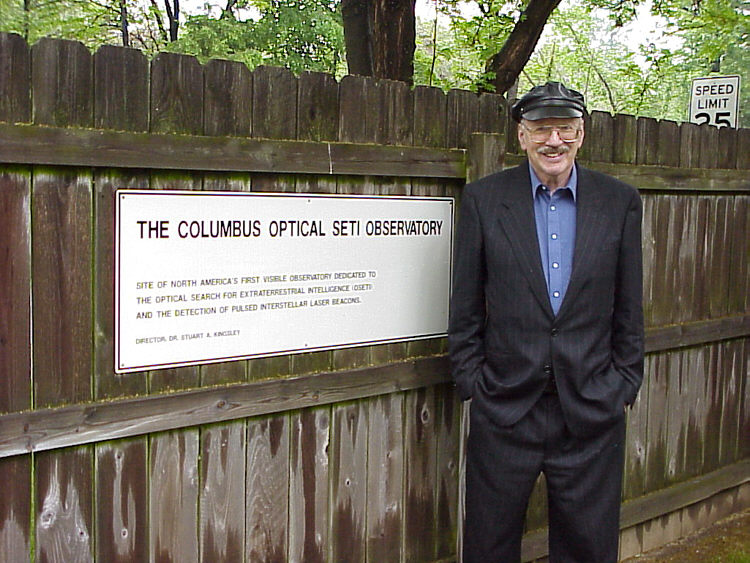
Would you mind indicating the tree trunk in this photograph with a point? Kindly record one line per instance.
(380, 38)
(509, 62)
(124, 24)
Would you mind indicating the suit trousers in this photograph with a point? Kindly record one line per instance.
(584, 486)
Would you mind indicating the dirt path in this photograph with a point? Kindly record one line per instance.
(727, 541)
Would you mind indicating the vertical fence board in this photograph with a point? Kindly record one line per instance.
(463, 117)
(714, 398)
(63, 504)
(121, 501)
(626, 133)
(173, 503)
(636, 444)
(62, 301)
(686, 230)
(727, 140)
(448, 416)
(739, 259)
(744, 443)
(708, 154)
(176, 97)
(493, 113)
(222, 494)
(267, 490)
(647, 147)
(676, 415)
(717, 257)
(669, 142)
(385, 469)
(120, 89)
(695, 368)
(349, 430)
(600, 131)
(227, 99)
(227, 111)
(730, 379)
(430, 117)
(420, 474)
(656, 443)
(15, 299)
(309, 485)
(690, 145)
(648, 242)
(15, 70)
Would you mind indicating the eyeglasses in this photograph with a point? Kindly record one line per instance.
(567, 133)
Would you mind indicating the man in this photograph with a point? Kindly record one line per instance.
(546, 338)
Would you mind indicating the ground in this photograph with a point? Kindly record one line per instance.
(727, 541)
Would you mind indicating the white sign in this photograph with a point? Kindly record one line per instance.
(715, 101)
(207, 277)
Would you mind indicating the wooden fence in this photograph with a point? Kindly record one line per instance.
(345, 455)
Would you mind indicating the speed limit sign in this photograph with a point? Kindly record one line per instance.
(715, 101)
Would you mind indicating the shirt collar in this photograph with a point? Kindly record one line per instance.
(572, 183)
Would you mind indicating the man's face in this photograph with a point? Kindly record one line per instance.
(550, 155)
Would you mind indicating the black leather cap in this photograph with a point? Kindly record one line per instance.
(550, 100)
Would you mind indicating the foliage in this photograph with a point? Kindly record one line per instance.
(299, 34)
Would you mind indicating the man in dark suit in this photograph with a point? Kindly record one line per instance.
(546, 338)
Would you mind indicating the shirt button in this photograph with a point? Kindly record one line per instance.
(555, 294)
(554, 236)
(555, 265)
(552, 207)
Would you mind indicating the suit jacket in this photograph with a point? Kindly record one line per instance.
(504, 339)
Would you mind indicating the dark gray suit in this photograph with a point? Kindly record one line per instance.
(506, 342)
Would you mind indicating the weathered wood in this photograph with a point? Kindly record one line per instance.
(430, 117)
(486, 155)
(15, 70)
(695, 365)
(228, 99)
(385, 470)
(120, 89)
(173, 502)
(677, 400)
(656, 442)
(448, 417)
(733, 372)
(744, 422)
(267, 490)
(625, 132)
(714, 398)
(420, 479)
(493, 114)
(739, 260)
(599, 140)
(61, 74)
(647, 147)
(349, 432)
(727, 157)
(121, 102)
(463, 117)
(16, 508)
(176, 94)
(222, 493)
(717, 258)
(309, 485)
(397, 113)
(359, 118)
(709, 147)
(690, 134)
(121, 501)
(669, 142)
(743, 149)
(64, 530)
(636, 438)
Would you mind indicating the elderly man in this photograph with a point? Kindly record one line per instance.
(546, 338)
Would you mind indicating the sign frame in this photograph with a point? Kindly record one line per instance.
(711, 104)
(130, 241)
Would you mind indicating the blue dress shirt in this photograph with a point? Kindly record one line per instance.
(556, 231)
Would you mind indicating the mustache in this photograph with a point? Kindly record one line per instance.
(562, 149)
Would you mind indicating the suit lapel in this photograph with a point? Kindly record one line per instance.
(516, 217)
(590, 224)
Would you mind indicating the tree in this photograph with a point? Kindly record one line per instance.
(380, 38)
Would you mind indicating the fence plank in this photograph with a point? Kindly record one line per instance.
(63, 500)
(600, 133)
(120, 89)
(695, 370)
(744, 445)
(448, 415)
(228, 99)
(420, 476)
(173, 503)
(222, 495)
(658, 405)
(463, 117)
(626, 133)
(15, 69)
(430, 117)
(717, 257)
(714, 397)
(62, 302)
(385, 470)
(267, 490)
(690, 135)
(349, 431)
(739, 254)
(309, 485)
(730, 380)
(176, 107)
(15, 299)
(647, 147)
(121, 501)
(637, 437)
